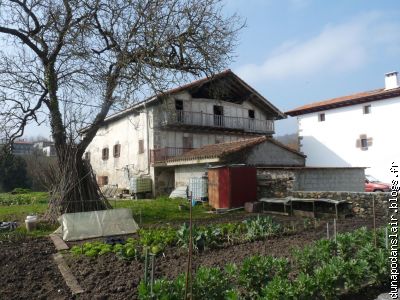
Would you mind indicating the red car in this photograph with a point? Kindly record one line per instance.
(374, 185)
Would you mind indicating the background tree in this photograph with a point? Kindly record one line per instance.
(13, 172)
(68, 63)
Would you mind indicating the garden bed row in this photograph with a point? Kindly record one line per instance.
(109, 276)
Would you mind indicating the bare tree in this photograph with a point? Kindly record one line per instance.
(68, 63)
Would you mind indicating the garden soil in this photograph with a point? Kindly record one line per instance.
(27, 270)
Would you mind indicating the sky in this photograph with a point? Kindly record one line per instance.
(296, 52)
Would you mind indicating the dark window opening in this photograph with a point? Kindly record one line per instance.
(104, 154)
(321, 117)
(367, 109)
(179, 110)
(117, 150)
(364, 143)
(218, 115)
(178, 104)
(187, 142)
(251, 114)
(141, 146)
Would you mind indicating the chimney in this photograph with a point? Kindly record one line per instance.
(391, 80)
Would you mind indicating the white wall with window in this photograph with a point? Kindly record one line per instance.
(360, 135)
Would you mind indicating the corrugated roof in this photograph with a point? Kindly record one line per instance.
(223, 149)
(369, 96)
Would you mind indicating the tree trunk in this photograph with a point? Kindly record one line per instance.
(75, 187)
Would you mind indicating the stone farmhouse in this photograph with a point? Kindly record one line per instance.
(178, 134)
(359, 130)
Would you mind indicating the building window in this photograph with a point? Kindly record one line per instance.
(187, 142)
(251, 114)
(178, 104)
(117, 150)
(102, 180)
(141, 146)
(367, 109)
(218, 115)
(321, 117)
(179, 110)
(87, 155)
(364, 142)
(104, 154)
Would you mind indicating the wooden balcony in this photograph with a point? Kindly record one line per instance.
(210, 121)
(162, 154)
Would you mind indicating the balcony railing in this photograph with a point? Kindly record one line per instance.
(200, 119)
(163, 154)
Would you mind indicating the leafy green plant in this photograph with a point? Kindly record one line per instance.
(261, 227)
(313, 256)
(157, 239)
(278, 289)
(257, 271)
(211, 283)
(163, 289)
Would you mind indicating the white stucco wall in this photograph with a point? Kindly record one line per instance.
(127, 132)
(332, 143)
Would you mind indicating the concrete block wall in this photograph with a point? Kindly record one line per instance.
(330, 179)
(281, 182)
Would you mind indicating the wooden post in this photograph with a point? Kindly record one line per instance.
(152, 273)
(334, 229)
(373, 213)
(188, 283)
(146, 264)
(327, 230)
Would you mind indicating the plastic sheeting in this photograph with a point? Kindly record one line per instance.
(84, 225)
(179, 192)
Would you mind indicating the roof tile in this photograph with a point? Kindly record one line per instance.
(362, 97)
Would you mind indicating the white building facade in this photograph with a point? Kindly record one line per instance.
(136, 142)
(359, 130)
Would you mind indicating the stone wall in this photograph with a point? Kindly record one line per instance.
(276, 183)
(280, 182)
(362, 203)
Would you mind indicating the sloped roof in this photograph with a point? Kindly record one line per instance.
(241, 85)
(358, 98)
(224, 149)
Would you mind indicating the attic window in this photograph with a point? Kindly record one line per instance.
(321, 117)
(178, 104)
(218, 115)
(251, 114)
(117, 150)
(104, 154)
(367, 109)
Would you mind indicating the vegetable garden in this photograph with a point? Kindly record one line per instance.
(317, 268)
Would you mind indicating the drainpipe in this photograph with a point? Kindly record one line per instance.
(147, 140)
